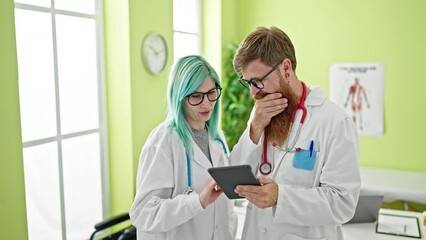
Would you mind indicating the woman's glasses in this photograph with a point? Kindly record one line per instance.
(196, 98)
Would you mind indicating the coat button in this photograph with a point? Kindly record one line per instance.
(263, 230)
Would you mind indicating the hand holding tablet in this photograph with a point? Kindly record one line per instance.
(227, 178)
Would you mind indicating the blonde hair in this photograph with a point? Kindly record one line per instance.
(269, 45)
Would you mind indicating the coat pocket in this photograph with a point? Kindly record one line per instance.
(303, 166)
(305, 157)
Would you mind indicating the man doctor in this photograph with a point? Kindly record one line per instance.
(307, 166)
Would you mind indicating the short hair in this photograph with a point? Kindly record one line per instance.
(269, 45)
(186, 76)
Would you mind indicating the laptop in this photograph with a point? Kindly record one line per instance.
(367, 209)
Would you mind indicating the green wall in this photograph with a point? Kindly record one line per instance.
(211, 32)
(136, 98)
(218, 30)
(117, 70)
(13, 222)
(392, 32)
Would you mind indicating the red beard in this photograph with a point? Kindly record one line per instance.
(279, 127)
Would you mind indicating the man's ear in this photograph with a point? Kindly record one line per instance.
(286, 67)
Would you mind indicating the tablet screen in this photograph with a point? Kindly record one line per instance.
(229, 177)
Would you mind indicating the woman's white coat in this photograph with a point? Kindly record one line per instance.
(160, 210)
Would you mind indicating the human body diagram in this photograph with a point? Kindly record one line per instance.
(356, 96)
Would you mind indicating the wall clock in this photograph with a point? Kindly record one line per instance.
(154, 52)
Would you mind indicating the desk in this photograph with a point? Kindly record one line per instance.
(353, 231)
(405, 187)
(356, 231)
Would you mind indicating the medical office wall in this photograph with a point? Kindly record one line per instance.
(392, 32)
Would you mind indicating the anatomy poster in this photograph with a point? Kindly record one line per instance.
(359, 89)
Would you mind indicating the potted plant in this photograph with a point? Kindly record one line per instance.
(237, 101)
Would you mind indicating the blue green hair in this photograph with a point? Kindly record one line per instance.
(186, 76)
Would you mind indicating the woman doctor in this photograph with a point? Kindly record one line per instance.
(176, 197)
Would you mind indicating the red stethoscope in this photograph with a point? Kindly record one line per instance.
(265, 167)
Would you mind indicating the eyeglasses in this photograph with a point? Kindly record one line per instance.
(257, 82)
(196, 98)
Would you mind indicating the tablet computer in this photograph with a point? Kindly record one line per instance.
(227, 178)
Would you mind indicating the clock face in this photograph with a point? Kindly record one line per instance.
(154, 52)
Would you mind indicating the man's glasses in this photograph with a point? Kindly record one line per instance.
(257, 82)
(196, 98)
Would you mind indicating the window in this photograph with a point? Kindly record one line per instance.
(186, 26)
(62, 108)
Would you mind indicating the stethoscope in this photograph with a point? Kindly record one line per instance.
(265, 167)
(189, 189)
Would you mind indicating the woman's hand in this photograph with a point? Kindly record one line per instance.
(209, 193)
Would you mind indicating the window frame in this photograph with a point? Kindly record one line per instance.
(102, 109)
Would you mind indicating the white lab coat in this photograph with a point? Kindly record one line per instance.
(312, 204)
(160, 209)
